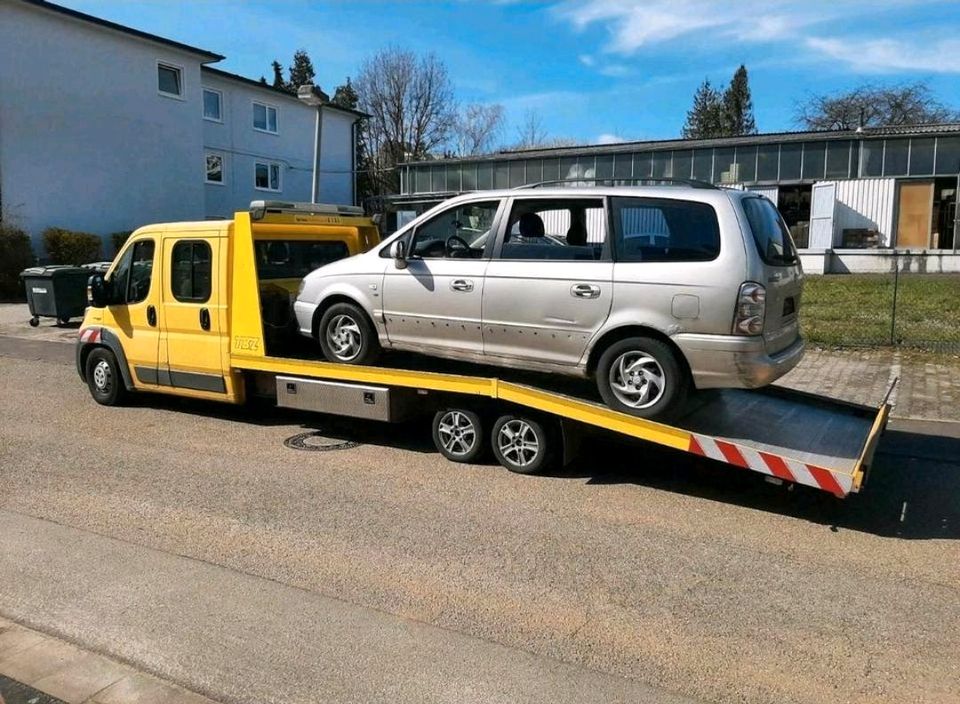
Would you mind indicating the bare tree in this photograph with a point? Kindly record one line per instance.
(531, 133)
(874, 105)
(412, 111)
(477, 128)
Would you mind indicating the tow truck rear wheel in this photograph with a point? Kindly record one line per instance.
(458, 434)
(524, 444)
(104, 379)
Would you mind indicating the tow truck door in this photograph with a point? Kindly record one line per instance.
(192, 343)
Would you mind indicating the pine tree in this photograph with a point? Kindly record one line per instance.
(705, 118)
(345, 96)
(301, 72)
(738, 106)
(278, 80)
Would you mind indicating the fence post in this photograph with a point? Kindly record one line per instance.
(893, 312)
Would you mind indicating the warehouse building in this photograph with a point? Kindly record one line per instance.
(851, 198)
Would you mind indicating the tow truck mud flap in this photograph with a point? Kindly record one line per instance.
(354, 400)
(790, 435)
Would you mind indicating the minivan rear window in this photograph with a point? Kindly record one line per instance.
(769, 232)
(664, 230)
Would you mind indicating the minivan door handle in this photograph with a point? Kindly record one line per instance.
(461, 285)
(151, 316)
(585, 291)
(204, 318)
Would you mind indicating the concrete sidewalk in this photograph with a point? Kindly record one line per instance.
(75, 676)
(929, 385)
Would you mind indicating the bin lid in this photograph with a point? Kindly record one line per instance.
(55, 271)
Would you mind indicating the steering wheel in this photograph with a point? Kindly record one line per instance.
(457, 247)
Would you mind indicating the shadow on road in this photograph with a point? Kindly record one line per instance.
(912, 490)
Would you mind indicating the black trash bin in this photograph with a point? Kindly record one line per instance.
(56, 292)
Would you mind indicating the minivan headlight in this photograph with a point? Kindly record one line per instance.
(751, 308)
(303, 283)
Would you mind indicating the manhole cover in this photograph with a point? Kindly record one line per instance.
(317, 442)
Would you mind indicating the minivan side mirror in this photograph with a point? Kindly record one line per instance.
(99, 291)
(400, 254)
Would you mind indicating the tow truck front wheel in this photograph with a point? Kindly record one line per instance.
(458, 434)
(104, 379)
(523, 444)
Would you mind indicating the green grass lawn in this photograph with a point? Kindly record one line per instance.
(856, 309)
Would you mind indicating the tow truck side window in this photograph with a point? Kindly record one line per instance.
(130, 281)
(190, 271)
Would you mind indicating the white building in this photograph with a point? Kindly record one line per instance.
(104, 128)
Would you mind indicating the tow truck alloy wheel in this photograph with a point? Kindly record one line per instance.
(523, 444)
(458, 434)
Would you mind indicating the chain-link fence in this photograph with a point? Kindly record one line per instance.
(901, 308)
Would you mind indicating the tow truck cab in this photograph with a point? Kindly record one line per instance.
(163, 309)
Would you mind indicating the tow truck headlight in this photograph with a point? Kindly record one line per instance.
(751, 307)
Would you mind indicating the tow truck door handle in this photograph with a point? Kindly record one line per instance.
(204, 318)
(585, 291)
(461, 285)
(151, 316)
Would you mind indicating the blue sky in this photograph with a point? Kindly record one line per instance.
(594, 70)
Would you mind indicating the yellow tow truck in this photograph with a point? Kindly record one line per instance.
(203, 310)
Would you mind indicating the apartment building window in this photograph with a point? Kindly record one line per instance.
(267, 176)
(170, 80)
(212, 105)
(214, 168)
(264, 118)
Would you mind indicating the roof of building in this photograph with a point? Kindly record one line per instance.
(276, 91)
(656, 145)
(208, 55)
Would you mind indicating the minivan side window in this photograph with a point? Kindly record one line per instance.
(469, 223)
(769, 232)
(130, 281)
(190, 268)
(665, 230)
(556, 229)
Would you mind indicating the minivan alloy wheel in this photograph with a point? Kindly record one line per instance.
(637, 379)
(344, 337)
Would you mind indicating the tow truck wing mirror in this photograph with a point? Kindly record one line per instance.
(400, 254)
(99, 291)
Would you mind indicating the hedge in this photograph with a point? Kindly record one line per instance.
(16, 254)
(68, 247)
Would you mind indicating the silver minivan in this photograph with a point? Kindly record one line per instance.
(653, 291)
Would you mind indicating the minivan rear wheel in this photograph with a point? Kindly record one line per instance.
(643, 377)
(347, 336)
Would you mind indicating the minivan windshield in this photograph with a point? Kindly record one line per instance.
(769, 232)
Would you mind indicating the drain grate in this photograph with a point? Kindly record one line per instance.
(13, 692)
(317, 442)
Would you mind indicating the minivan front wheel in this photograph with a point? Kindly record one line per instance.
(642, 376)
(347, 335)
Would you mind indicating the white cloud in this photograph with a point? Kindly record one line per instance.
(822, 31)
(890, 55)
(609, 138)
(587, 60)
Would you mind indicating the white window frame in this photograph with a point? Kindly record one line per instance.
(223, 168)
(268, 107)
(268, 164)
(203, 104)
(180, 73)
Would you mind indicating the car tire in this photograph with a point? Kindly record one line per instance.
(458, 434)
(524, 445)
(347, 336)
(104, 378)
(643, 377)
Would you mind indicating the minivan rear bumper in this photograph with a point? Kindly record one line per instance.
(729, 361)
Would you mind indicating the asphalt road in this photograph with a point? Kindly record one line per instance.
(187, 539)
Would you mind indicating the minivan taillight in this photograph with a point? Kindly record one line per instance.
(751, 306)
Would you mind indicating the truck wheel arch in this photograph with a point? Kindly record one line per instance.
(108, 341)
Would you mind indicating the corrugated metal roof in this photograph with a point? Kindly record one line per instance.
(667, 144)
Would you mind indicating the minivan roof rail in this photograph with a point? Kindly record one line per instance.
(259, 208)
(693, 183)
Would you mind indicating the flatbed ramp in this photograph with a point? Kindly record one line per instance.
(788, 435)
